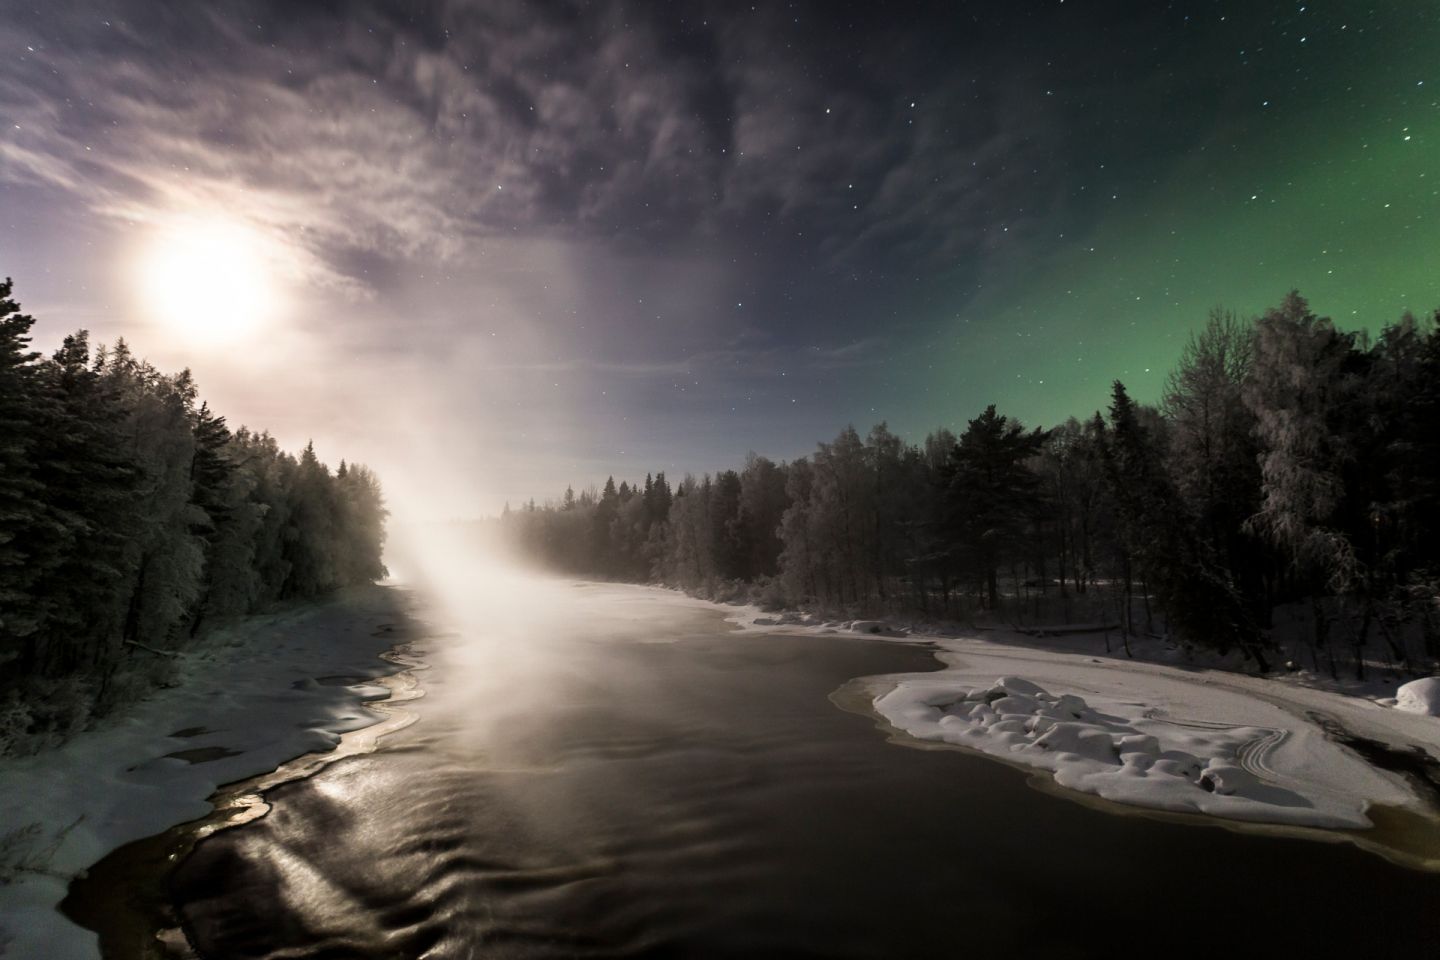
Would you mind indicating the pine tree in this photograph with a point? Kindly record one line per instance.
(1075, 492)
(362, 524)
(991, 493)
(602, 550)
(311, 545)
(93, 504)
(659, 499)
(840, 518)
(267, 471)
(165, 558)
(885, 459)
(688, 558)
(799, 557)
(762, 507)
(931, 556)
(726, 534)
(18, 485)
(128, 513)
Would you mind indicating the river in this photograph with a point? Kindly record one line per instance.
(637, 779)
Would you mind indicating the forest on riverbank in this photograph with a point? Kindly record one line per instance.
(132, 519)
(1288, 481)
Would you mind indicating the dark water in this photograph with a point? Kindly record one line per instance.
(706, 799)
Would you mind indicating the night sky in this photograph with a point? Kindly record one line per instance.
(519, 245)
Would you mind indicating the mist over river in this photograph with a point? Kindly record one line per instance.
(619, 773)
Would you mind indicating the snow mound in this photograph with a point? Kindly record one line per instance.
(1123, 750)
(1420, 696)
(874, 628)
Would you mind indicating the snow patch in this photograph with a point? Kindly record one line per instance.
(1130, 751)
(874, 628)
(1253, 751)
(1420, 696)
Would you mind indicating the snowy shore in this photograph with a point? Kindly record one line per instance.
(265, 691)
(1175, 738)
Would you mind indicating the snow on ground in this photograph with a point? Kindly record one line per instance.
(1250, 765)
(263, 692)
(1183, 739)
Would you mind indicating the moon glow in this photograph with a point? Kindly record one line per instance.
(209, 280)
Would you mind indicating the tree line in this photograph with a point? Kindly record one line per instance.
(1286, 489)
(132, 518)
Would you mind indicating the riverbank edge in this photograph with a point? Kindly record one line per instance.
(1406, 833)
(126, 783)
(1400, 835)
(143, 924)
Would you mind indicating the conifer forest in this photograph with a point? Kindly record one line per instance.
(1288, 480)
(133, 519)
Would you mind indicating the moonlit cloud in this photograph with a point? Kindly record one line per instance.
(423, 139)
(620, 235)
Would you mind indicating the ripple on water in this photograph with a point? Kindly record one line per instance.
(668, 799)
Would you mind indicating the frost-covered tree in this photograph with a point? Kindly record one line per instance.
(629, 533)
(19, 489)
(1302, 384)
(841, 510)
(362, 523)
(1280, 445)
(1214, 452)
(1297, 384)
(92, 502)
(726, 537)
(165, 560)
(688, 558)
(130, 518)
(762, 507)
(311, 544)
(799, 557)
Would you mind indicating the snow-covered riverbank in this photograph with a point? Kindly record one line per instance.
(1167, 737)
(255, 696)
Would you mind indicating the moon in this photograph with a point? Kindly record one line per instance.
(209, 280)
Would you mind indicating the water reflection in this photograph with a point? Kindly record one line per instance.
(575, 788)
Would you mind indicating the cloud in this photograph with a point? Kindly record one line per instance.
(863, 352)
(362, 143)
(369, 128)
